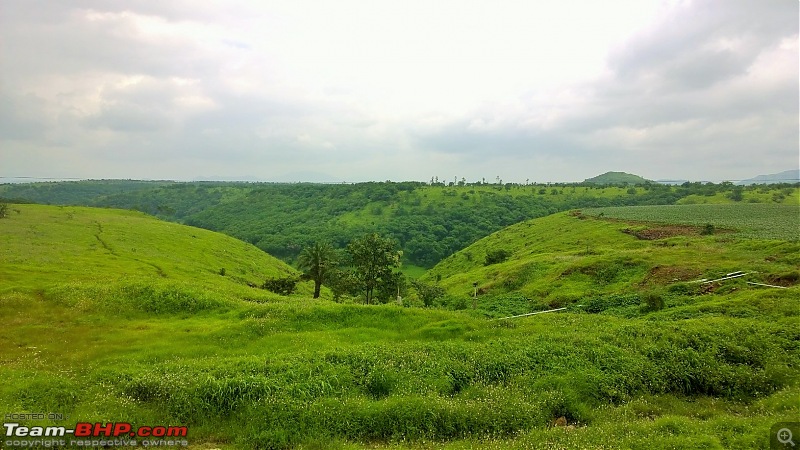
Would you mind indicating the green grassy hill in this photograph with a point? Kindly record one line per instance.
(41, 245)
(571, 258)
(127, 322)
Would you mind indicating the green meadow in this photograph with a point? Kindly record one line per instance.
(112, 315)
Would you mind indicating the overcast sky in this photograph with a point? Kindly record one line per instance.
(355, 90)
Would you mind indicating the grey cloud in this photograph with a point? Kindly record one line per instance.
(22, 117)
(147, 105)
(240, 111)
(481, 145)
(670, 93)
(688, 49)
(705, 68)
(129, 118)
(678, 90)
(111, 46)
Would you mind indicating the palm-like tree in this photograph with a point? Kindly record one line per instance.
(317, 261)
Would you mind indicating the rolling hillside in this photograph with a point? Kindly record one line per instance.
(571, 258)
(568, 257)
(44, 245)
(430, 222)
(112, 316)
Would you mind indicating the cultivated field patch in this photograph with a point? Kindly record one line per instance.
(755, 220)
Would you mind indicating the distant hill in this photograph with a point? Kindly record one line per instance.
(616, 178)
(788, 176)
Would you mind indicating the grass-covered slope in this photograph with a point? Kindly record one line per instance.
(572, 258)
(243, 369)
(43, 245)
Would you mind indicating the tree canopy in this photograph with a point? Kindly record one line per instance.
(373, 259)
(318, 262)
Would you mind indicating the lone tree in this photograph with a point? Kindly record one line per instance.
(318, 262)
(373, 258)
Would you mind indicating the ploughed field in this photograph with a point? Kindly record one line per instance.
(112, 316)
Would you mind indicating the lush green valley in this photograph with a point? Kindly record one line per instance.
(429, 221)
(115, 316)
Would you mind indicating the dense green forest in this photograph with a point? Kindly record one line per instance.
(430, 221)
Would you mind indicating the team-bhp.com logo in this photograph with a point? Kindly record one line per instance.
(119, 431)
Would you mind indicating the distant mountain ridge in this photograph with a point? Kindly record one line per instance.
(787, 176)
(616, 178)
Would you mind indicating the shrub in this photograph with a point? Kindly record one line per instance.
(707, 230)
(3, 210)
(458, 380)
(652, 301)
(684, 289)
(496, 256)
(736, 194)
(282, 286)
(427, 292)
(380, 383)
(459, 303)
(602, 303)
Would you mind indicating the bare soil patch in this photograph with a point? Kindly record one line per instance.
(670, 274)
(663, 231)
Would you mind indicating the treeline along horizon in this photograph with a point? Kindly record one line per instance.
(430, 221)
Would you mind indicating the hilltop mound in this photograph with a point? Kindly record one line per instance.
(616, 178)
(45, 245)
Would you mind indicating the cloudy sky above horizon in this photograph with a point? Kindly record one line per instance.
(353, 90)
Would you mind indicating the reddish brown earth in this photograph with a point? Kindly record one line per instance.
(663, 231)
(670, 274)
